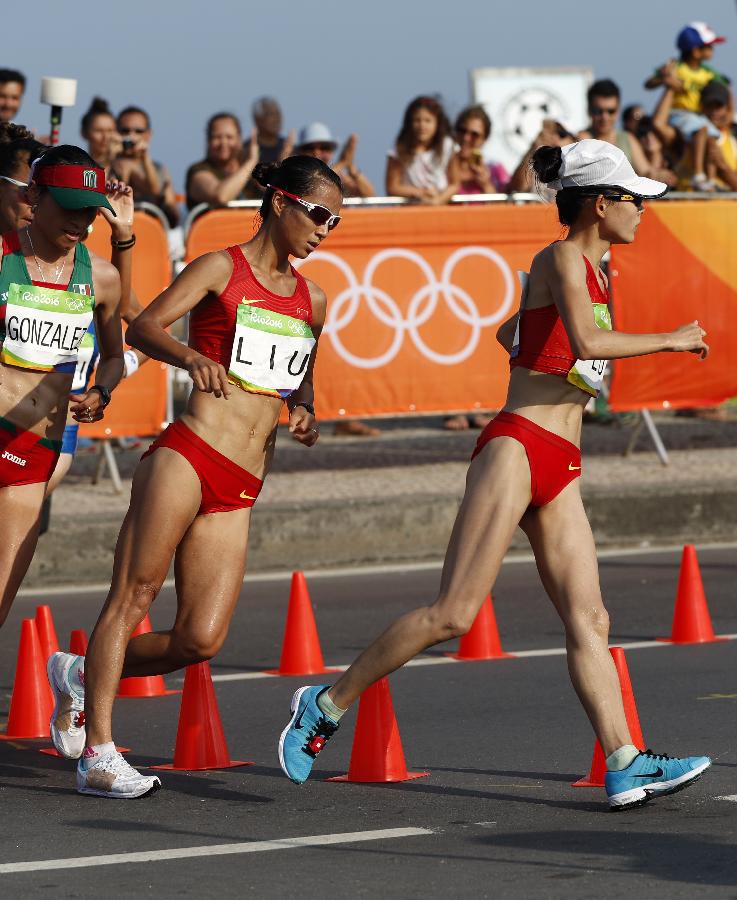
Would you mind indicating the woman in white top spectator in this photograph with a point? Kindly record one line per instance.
(417, 167)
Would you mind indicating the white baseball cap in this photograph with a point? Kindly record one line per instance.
(707, 35)
(315, 133)
(592, 163)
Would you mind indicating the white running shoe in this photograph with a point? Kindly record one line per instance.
(67, 720)
(112, 776)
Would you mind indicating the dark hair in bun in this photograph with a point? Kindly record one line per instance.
(546, 163)
(98, 107)
(296, 174)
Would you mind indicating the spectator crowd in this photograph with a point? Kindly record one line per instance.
(687, 140)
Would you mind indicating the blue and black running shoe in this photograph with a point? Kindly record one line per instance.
(651, 775)
(308, 731)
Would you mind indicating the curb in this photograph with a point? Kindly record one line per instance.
(410, 529)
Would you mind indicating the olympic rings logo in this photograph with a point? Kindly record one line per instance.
(422, 305)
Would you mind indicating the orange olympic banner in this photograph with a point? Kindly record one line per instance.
(415, 296)
(681, 267)
(138, 406)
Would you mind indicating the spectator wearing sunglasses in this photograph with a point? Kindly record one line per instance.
(604, 106)
(467, 166)
(223, 174)
(18, 149)
(316, 140)
(417, 167)
(12, 88)
(150, 180)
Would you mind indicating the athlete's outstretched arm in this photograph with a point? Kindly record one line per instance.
(207, 274)
(566, 279)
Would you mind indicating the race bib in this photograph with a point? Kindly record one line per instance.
(44, 327)
(270, 351)
(588, 374)
(86, 358)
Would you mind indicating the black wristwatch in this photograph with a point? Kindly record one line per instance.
(308, 406)
(104, 393)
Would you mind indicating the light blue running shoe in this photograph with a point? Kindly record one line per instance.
(651, 775)
(308, 731)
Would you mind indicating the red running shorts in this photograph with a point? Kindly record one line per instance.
(554, 462)
(225, 486)
(25, 458)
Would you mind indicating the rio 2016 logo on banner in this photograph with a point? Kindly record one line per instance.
(422, 305)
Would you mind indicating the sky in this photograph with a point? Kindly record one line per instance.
(354, 66)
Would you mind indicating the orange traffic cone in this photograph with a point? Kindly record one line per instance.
(301, 653)
(78, 642)
(595, 778)
(691, 619)
(200, 738)
(144, 685)
(32, 702)
(46, 631)
(482, 639)
(377, 754)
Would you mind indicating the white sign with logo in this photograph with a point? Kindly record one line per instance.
(518, 99)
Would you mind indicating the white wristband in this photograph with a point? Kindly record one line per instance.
(130, 360)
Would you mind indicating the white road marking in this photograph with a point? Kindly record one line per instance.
(379, 569)
(295, 843)
(446, 660)
(732, 797)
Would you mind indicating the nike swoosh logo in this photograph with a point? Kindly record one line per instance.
(571, 468)
(656, 774)
(298, 720)
(245, 496)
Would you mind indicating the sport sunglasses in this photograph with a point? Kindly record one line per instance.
(320, 215)
(627, 198)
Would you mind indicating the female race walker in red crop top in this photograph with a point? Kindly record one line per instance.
(526, 466)
(254, 326)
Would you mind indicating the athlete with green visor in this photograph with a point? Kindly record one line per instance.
(51, 288)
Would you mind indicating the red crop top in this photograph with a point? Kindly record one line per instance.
(543, 341)
(212, 321)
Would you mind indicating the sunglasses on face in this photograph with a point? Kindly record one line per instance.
(467, 132)
(318, 214)
(639, 202)
(321, 148)
(13, 181)
(604, 110)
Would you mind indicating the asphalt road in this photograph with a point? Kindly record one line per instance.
(502, 740)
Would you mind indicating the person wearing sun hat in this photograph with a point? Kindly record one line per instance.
(51, 289)
(686, 78)
(525, 471)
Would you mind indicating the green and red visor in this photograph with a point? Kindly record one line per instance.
(74, 187)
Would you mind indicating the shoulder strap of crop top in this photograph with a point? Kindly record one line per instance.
(597, 291)
(239, 260)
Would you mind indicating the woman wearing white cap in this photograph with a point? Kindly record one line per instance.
(525, 472)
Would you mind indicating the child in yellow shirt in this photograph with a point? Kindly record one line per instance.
(688, 77)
